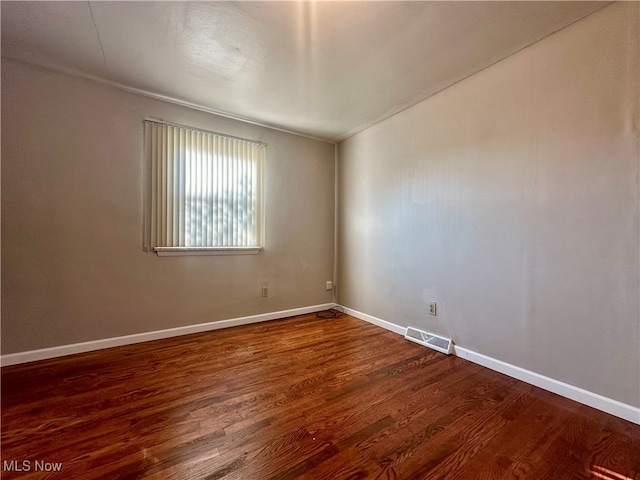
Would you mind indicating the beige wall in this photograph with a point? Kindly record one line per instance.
(73, 268)
(511, 199)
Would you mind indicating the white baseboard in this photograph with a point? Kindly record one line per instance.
(376, 321)
(599, 402)
(578, 394)
(53, 352)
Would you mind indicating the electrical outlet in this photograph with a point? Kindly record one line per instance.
(265, 292)
(328, 285)
(432, 309)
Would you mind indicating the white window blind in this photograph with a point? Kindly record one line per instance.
(204, 190)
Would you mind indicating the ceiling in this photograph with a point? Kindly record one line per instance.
(324, 69)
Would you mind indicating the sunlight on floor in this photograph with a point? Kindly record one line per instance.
(607, 474)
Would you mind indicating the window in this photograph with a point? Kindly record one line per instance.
(203, 191)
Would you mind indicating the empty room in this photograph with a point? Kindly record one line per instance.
(322, 240)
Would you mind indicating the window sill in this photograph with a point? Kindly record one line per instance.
(180, 251)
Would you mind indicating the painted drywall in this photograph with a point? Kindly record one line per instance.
(73, 266)
(511, 199)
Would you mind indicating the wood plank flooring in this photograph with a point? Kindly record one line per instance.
(298, 398)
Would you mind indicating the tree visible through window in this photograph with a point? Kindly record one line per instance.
(204, 190)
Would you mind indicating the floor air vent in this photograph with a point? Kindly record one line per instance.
(441, 344)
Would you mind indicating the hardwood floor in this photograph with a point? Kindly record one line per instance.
(298, 398)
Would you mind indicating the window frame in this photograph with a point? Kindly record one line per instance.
(162, 251)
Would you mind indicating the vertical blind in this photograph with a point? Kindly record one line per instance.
(204, 189)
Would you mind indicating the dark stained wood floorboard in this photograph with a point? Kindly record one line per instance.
(299, 398)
